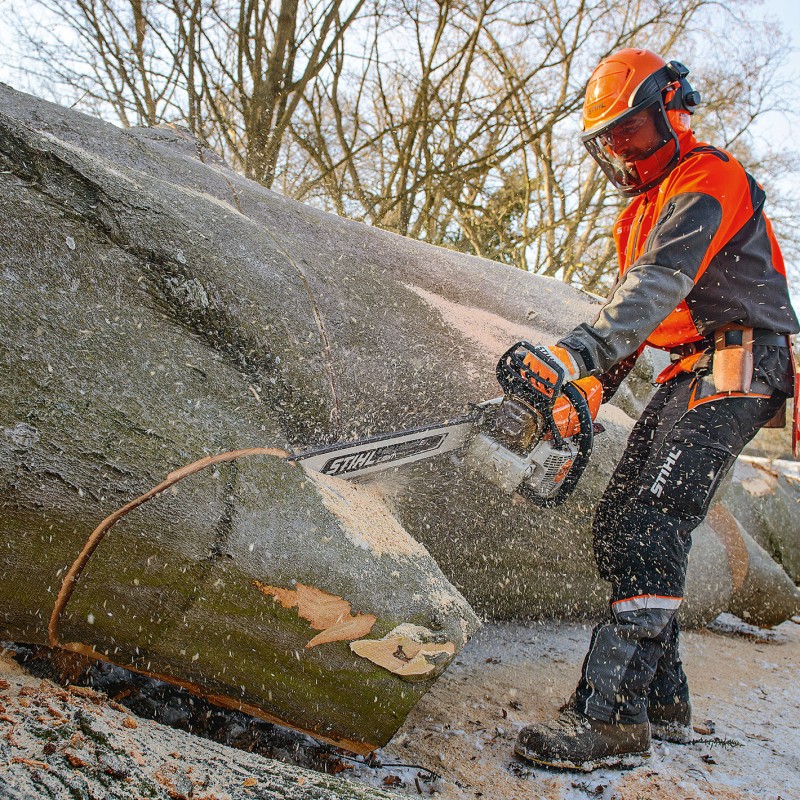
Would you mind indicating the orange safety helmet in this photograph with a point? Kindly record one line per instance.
(636, 105)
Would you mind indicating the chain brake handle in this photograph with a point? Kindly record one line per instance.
(539, 389)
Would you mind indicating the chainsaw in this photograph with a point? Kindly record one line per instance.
(534, 440)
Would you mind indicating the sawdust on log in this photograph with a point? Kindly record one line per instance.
(755, 479)
(364, 517)
(724, 524)
(492, 333)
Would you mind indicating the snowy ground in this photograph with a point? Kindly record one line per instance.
(744, 680)
(458, 741)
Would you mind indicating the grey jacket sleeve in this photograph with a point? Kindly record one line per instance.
(653, 286)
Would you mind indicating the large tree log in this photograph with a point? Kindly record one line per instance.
(765, 498)
(247, 581)
(157, 308)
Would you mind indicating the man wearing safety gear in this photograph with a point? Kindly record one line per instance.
(701, 276)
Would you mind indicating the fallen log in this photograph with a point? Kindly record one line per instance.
(765, 497)
(158, 309)
(109, 386)
(74, 742)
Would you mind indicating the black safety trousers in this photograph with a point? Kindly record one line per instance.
(674, 461)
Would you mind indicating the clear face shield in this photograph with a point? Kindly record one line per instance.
(636, 149)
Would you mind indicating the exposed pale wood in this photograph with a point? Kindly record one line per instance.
(323, 611)
(404, 656)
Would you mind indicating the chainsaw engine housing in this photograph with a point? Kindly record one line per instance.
(541, 471)
(510, 450)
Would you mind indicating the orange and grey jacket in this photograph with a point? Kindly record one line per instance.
(695, 253)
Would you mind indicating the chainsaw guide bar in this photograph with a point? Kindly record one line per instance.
(534, 440)
(379, 453)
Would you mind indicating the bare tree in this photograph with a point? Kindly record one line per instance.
(467, 137)
(233, 71)
(452, 121)
(122, 55)
(252, 63)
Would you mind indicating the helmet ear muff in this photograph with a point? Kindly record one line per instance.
(683, 97)
(678, 115)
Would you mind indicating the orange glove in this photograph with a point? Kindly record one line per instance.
(545, 369)
(550, 365)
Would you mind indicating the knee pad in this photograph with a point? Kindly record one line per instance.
(646, 617)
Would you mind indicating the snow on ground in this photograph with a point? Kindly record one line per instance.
(744, 680)
(457, 743)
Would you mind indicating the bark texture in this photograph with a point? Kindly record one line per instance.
(138, 337)
(73, 743)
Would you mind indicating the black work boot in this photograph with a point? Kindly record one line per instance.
(671, 723)
(575, 741)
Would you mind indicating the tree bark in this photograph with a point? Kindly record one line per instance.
(74, 743)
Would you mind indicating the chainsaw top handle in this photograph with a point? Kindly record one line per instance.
(531, 372)
(534, 375)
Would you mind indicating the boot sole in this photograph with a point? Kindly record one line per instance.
(672, 732)
(621, 761)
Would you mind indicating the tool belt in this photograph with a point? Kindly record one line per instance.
(682, 351)
(731, 365)
(733, 355)
(761, 336)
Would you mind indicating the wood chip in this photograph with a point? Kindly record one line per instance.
(30, 762)
(346, 631)
(325, 612)
(250, 782)
(402, 655)
(704, 728)
(86, 692)
(76, 761)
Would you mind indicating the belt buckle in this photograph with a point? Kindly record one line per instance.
(680, 352)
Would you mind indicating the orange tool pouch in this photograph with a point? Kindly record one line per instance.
(779, 420)
(733, 358)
